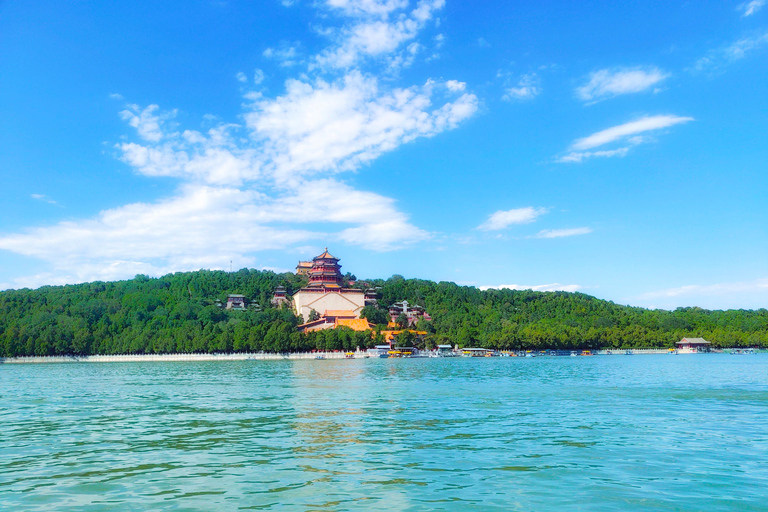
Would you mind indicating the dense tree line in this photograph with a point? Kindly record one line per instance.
(178, 313)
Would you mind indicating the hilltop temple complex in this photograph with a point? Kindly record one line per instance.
(325, 303)
(326, 296)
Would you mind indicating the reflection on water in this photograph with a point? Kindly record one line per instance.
(619, 433)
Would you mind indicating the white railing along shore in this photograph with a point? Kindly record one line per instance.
(191, 357)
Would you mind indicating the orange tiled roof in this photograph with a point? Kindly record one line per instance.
(356, 324)
(304, 264)
(346, 313)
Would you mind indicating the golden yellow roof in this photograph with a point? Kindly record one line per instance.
(345, 313)
(326, 254)
(356, 324)
(304, 264)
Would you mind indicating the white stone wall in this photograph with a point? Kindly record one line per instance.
(304, 302)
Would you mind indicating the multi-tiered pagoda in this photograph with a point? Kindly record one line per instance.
(325, 294)
(325, 272)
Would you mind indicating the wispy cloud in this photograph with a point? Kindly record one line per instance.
(43, 198)
(607, 83)
(578, 156)
(626, 130)
(716, 59)
(150, 124)
(559, 233)
(750, 8)
(379, 29)
(552, 287)
(527, 88)
(505, 218)
(627, 134)
(287, 54)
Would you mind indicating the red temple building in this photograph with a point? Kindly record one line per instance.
(325, 272)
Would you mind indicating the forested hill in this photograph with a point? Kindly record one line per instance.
(177, 313)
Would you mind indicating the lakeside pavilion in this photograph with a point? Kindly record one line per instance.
(693, 345)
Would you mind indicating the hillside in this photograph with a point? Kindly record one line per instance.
(177, 313)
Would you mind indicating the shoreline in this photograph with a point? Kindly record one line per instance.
(247, 356)
(122, 358)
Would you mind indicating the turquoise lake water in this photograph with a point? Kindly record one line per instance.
(653, 432)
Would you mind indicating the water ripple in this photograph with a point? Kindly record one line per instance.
(620, 433)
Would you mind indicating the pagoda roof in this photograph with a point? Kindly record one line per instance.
(326, 255)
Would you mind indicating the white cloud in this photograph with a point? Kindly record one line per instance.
(740, 48)
(760, 285)
(214, 158)
(286, 54)
(455, 85)
(315, 127)
(373, 34)
(503, 219)
(205, 227)
(241, 77)
(338, 126)
(527, 88)
(716, 59)
(578, 156)
(559, 233)
(607, 83)
(626, 130)
(552, 287)
(258, 76)
(751, 8)
(116, 96)
(148, 125)
(627, 134)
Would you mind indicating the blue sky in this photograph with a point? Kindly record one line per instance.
(618, 149)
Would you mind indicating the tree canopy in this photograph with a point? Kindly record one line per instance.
(178, 313)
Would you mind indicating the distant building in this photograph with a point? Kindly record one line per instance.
(236, 302)
(371, 297)
(325, 291)
(303, 268)
(279, 298)
(412, 313)
(693, 345)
